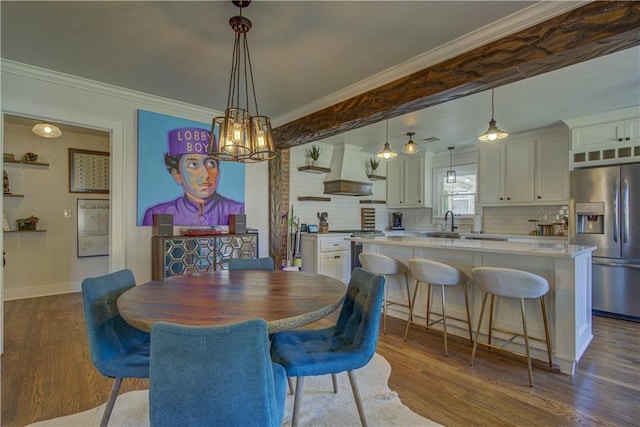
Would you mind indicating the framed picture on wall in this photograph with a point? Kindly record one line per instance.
(93, 227)
(88, 171)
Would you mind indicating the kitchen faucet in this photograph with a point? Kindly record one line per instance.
(453, 227)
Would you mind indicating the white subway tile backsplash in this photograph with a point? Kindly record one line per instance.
(515, 219)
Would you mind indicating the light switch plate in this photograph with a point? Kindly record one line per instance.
(67, 213)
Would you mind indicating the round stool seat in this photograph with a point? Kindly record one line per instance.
(507, 282)
(382, 264)
(436, 273)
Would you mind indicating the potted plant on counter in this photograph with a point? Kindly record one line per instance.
(314, 154)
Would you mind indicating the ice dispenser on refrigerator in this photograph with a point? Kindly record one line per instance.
(590, 218)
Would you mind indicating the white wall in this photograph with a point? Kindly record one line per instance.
(33, 92)
(343, 211)
(45, 263)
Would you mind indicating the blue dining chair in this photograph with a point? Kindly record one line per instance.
(214, 375)
(117, 349)
(345, 346)
(265, 263)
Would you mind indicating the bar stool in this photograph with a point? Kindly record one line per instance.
(510, 283)
(387, 266)
(443, 275)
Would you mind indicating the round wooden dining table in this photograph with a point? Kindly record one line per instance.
(284, 299)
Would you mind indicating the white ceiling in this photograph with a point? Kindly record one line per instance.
(311, 54)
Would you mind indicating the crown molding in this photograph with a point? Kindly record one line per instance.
(62, 79)
(506, 26)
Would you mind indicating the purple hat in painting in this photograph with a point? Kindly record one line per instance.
(188, 141)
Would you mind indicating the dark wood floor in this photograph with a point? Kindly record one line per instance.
(47, 372)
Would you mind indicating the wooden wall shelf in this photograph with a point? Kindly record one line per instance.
(20, 162)
(313, 199)
(25, 231)
(376, 177)
(12, 195)
(373, 202)
(314, 169)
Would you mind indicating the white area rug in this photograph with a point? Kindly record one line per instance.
(320, 406)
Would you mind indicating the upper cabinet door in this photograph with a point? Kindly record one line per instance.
(414, 182)
(395, 183)
(552, 170)
(491, 175)
(518, 184)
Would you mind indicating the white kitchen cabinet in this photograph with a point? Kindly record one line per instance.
(552, 170)
(327, 254)
(527, 169)
(620, 132)
(506, 172)
(409, 181)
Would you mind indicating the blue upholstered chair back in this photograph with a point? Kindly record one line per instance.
(265, 263)
(359, 320)
(109, 334)
(214, 375)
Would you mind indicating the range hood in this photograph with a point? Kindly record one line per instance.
(347, 176)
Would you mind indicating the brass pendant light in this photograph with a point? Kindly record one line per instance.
(387, 152)
(410, 147)
(494, 132)
(46, 130)
(451, 174)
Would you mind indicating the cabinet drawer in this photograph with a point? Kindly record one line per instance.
(334, 245)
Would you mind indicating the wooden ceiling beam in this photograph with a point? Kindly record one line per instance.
(588, 32)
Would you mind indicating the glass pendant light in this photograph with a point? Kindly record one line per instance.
(451, 174)
(46, 130)
(241, 136)
(387, 152)
(410, 147)
(494, 132)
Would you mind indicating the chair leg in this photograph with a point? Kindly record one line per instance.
(546, 330)
(428, 303)
(406, 283)
(334, 380)
(290, 381)
(111, 402)
(356, 395)
(413, 304)
(384, 308)
(491, 319)
(526, 341)
(475, 342)
(296, 401)
(444, 321)
(466, 302)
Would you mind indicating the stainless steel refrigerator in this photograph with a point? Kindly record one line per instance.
(605, 212)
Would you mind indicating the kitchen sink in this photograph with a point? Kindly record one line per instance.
(441, 234)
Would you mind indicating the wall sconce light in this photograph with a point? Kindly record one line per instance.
(451, 174)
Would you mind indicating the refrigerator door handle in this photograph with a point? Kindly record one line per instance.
(616, 264)
(616, 199)
(625, 211)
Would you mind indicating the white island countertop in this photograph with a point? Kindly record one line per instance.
(563, 250)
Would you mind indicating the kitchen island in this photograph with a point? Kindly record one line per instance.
(566, 267)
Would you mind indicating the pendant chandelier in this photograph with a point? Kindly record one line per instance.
(387, 152)
(451, 174)
(46, 130)
(494, 132)
(410, 147)
(241, 135)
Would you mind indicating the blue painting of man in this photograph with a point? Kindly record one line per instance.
(191, 166)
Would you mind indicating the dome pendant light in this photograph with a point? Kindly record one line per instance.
(46, 130)
(451, 174)
(410, 147)
(387, 152)
(494, 132)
